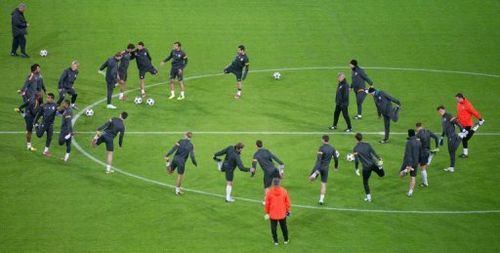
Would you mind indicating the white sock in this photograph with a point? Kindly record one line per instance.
(238, 93)
(228, 192)
(172, 93)
(46, 150)
(424, 177)
(466, 151)
(142, 92)
(108, 167)
(182, 93)
(410, 192)
(66, 157)
(28, 145)
(430, 160)
(369, 196)
(321, 197)
(177, 189)
(121, 94)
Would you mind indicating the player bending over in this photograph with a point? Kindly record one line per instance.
(383, 102)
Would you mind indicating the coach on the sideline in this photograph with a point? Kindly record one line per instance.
(19, 31)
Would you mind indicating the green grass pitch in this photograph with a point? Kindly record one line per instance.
(49, 206)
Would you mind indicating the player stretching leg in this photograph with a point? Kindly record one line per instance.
(179, 62)
(426, 153)
(411, 159)
(66, 134)
(239, 63)
(383, 102)
(448, 124)
(465, 111)
(265, 159)
(67, 82)
(183, 148)
(143, 60)
(325, 154)
(364, 153)
(231, 161)
(48, 112)
(123, 69)
(107, 133)
(358, 85)
(111, 66)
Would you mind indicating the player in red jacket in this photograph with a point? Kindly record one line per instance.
(465, 112)
(277, 208)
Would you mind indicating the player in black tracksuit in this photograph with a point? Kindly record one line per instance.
(66, 134)
(123, 69)
(179, 62)
(370, 161)
(426, 153)
(325, 154)
(342, 103)
(66, 83)
(183, 148)
(358, 85)
(265, 159)
(383, 102)
(143, 60)
(107, 133)
(33, 85)
(239, 67)
(232, 160)
(111, 66)
(448, 123)
(48, 111)
(32, 106)
(411, 159)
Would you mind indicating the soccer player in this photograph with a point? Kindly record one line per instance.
(411, 159)
(48, 111)
(384, 101)
(19, 27)
(143, 60)
(277, 208)
(179, 62)
(183, 148)
(370, 161)
(66, 134)
(32, 85)
(107, 133)
(32, 106)
(231, 161)
(358, 85)
(66, 83)
(342, 103)
(426, 153)
(239, 63)
(265, 159)
(448, 124)
(325, 154)
(465, 112)
(123, 69)
(111, 66)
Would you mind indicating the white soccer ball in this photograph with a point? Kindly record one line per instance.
(277, 75)
(138, 100)
(89, 112)
(44, 53)
(150, 102)
(350, 157)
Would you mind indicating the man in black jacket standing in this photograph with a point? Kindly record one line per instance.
(342, 103)
(19, 27)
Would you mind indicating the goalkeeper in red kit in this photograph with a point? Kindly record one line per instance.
(465, 112)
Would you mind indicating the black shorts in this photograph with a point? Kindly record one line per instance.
(237, 73)
(122, 76)
(174, 73)
(413, 173)
(269, 176)
(178, 164)
(229, 174)
(323, 173)
(150, 69)
(29, 122)
(424, 157)
(108, 141)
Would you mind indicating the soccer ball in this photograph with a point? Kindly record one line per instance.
(138, 100)
(350, 157)
(89, 112)
(44, 53)
(277, 75)
(150, 102)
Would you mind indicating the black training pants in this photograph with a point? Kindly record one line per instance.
(284, 229)
(367, 173)
(345, 114)
(19, 41)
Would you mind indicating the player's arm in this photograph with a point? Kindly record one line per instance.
(356, 158)
(193, 159)
(147, 54)
(172, 150)
(222, 152)
(168, 58)
(365, 77)
(373, 153)
(245, 72)
(392, 99)
(276, 159)
(63, 77)
(474, 112)
(254, 162)
(318, 159)
(120, 140)
(103, 66)
(435, 137)
(105, 126)
(185, 61)
(239, 163)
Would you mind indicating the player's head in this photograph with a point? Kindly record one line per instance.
(259, 143)
(177, 45)
(66, 103)
(441, 110)
(50, 97)
(241, 49)
(419, 126)
(353, 63)
(325, 138)
(359, 137)
(124, 115)
(21, 7)
(118, 55)
(411, 132)
(340, 76)
(372, 91)
(460, 97)
(188, 135)
(239, 146)
(140, 45)
(130, 47)
(276, 181)
(74, 65)
(35, 68)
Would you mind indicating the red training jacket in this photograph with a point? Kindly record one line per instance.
(277, 203)
(465, 111)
